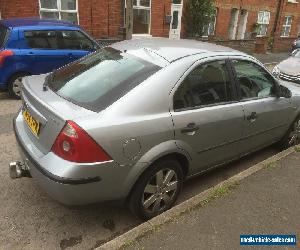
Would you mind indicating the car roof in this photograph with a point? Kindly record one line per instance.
(25, 22)
(170, 49)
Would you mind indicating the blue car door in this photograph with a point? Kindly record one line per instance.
(43, 51)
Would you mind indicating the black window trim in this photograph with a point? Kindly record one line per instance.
(237, 85)
(231, 80)
(59, 39)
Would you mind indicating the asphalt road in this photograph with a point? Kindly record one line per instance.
(29, 219)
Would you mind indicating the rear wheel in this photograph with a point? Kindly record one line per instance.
(292, 137)
(157, 189)
(15, 85)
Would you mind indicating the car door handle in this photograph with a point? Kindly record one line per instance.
(252, 117)
(190, 128)
(70, 55)
(30, 53)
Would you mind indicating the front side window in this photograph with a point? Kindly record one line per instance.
(75, 40)
(253, 80)
(99, 79)
(287, 25)
(59, 9)
(42, 39)
(263, 21)
(208, 84)
(141, 16)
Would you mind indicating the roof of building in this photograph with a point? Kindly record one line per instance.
(23, 22)
(171, 50)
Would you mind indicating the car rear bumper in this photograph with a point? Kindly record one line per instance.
(97, 183)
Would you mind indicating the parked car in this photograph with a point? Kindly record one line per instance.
(134, 120)
(296, 44)
(37, 46)
(289, 69)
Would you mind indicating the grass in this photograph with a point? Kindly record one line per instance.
(223, 190)
(297, 148)
(271, 165)
(218, 192)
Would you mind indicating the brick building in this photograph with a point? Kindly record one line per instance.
(235, 19)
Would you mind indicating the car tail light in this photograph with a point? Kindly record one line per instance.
(75, 145)
(4, 54)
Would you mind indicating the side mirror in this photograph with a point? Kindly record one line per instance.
(284, 92)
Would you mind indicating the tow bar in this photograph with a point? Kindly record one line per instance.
(18, 170)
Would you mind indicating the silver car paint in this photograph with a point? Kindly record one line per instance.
(290, 66)
(142, 127)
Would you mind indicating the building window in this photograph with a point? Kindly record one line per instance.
(209, 29)
(287, 25)
(59, 9)
(263, 21)
(141, 16)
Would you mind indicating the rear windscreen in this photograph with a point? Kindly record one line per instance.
(3, 33)
(99, 79)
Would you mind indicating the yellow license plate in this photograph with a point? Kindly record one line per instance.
(33, 124)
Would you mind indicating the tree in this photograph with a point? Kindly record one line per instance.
(198, 14)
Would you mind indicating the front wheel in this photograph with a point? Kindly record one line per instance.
(292, 137)
(15, 85)
(157, 189)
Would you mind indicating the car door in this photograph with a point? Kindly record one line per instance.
(207, 119)
(43, 51)
(267, 116)
(75, 44)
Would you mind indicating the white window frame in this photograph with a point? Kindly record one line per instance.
(287, 25)
(141, 7)
(59, 10)
(266, 20)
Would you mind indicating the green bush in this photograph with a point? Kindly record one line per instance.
(198, 14)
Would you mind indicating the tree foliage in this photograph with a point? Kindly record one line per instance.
(198, 14)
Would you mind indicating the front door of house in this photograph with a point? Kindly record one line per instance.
(175, 26)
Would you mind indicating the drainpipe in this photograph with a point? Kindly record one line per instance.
(108, 18)
(129, 19)
(277, 17)
(91, 22)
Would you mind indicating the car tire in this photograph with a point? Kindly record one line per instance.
(15, 85)
(292, 137)
(157, 189)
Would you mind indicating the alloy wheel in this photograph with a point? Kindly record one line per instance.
(294, 135)
(17, 85)
(160, 191)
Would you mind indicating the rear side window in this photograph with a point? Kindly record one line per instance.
(3, 35)
(208, 84)
(75, 40)
(99, 79)
(42, 39)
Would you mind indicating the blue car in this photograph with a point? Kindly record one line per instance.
(38, 46)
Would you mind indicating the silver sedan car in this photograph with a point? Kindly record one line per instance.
(289, 69)
(134, 120)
